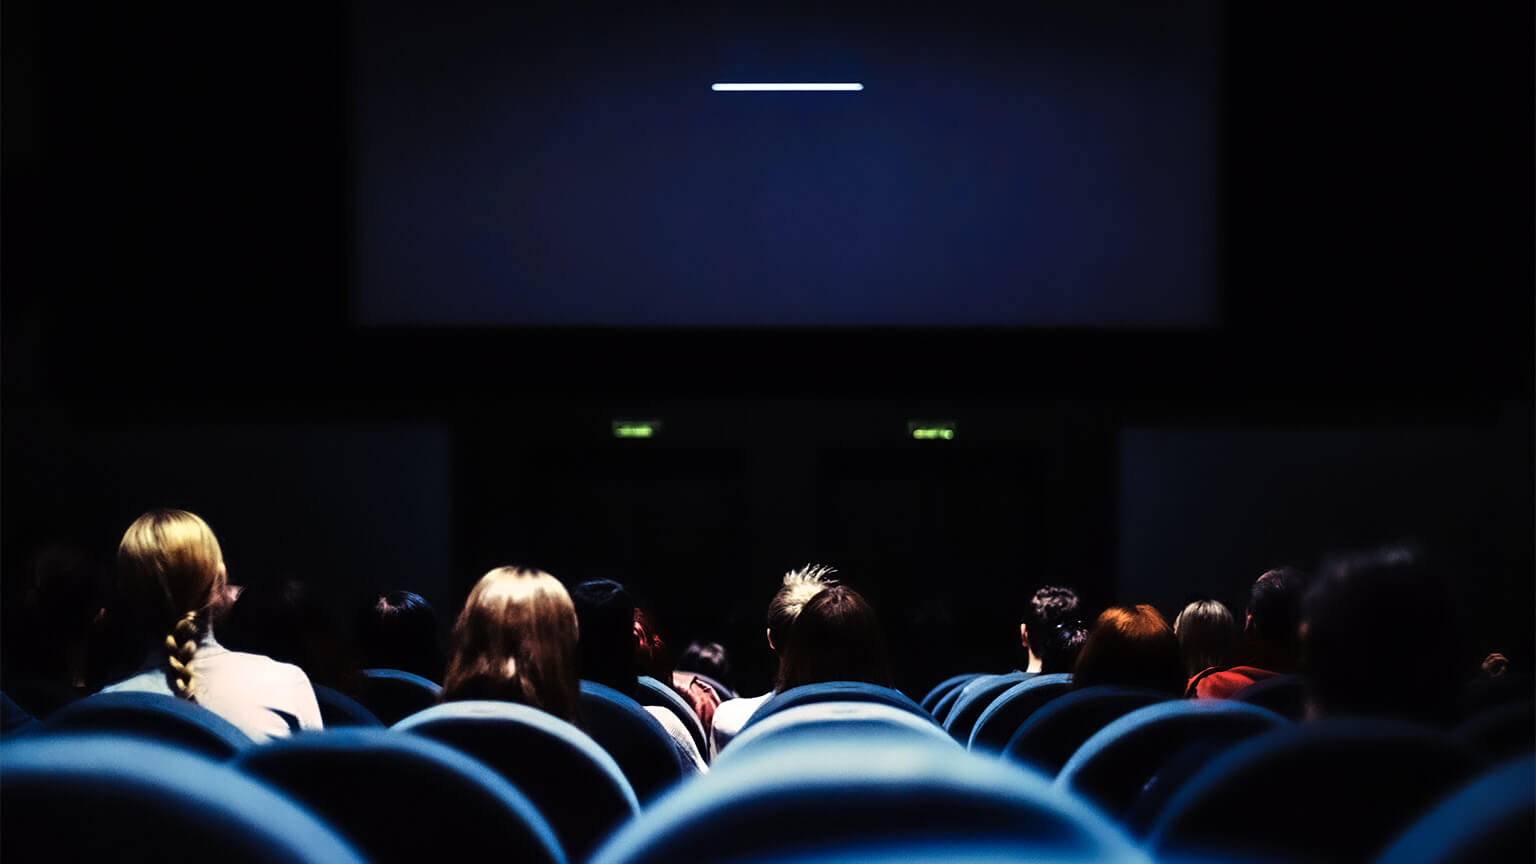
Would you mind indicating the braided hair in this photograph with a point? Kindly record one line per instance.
(170, 563)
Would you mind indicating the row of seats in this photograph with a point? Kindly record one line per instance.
(1182, 774)
(835, 768)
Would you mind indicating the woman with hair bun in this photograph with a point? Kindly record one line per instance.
(171, 571)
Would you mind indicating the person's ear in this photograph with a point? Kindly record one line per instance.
(1024, 635)
(768, 632)
(1248, 625)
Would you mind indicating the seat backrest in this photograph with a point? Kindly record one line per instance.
(1118, 761)
(999, 720)
(12, 716)
(636, 740)
(1052, 734)
(401, 798)
(719, 687)
(339, 709)
(152, 716)
(975, 697)
(573, 781)
(834, 691)
(1336, 789)
(1502, 731)
(108, 797)
(821, 718)
(1491, 819)
(944, 688)
(946, 704)
(393, 695)
(1285, 695)
(654, 692)
(839, 791)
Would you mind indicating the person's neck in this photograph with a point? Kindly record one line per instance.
(1035, 664)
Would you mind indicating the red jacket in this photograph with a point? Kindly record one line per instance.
(1218, 683)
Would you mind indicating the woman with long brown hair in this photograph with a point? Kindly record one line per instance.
(171, 571)
(515, 641)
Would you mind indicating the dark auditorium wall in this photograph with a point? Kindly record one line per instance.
(175, 330)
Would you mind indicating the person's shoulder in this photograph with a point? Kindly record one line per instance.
(148, 681)
(263, 667)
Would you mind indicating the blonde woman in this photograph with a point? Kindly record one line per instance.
(516, 641)
(171, 569)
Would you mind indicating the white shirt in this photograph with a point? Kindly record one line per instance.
(682, 739)
(246, 689)
(730, 716)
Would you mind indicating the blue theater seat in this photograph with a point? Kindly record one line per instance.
(1492, 819)
(574, 782)
(654, 692)
(1285, 695)
(975, 697)
(946, 704)
(861, 795)
(636, 740)
(1111, 768)
(392, 695)
(944, 688)
(720, 689)
(1502, 731)
(834, 691)
(13, 718)
(151, 716)
(338, 709)
(805, 722)
(403, 798)
(1336, 789)
(1052, 734)
(999, 720)
(107, 798)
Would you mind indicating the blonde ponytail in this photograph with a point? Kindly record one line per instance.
(180, 651)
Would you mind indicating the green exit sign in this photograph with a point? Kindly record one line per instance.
(931, 430)
(636, 428)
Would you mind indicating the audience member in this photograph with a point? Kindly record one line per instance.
(836, 638)
(398, 630)
(1051, 607)
(1208, 636)
(171, 569)
(516, 641)
(1380, 636)
(797, 589)
(291, 622)
(1060, 651)
(1131, 646)
(612, 646)
(655, 660)
(706, 658)
(49, 629)
(1270, 636)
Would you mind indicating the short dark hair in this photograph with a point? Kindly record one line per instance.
(706, 658)
(1059, 653)
(1364, 648)
(605, 616)
(1274, 603)
(399, 630)
(836, 638)
(1050, 606)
